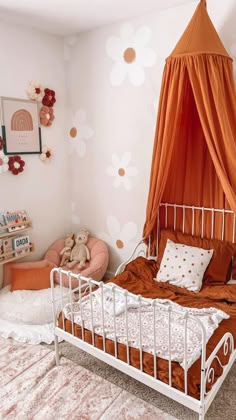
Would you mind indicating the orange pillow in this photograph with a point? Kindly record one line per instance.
(30, 278)
(218, 270)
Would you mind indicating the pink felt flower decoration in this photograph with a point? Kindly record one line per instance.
(46, 116)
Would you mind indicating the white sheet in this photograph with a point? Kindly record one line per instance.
(119, 298)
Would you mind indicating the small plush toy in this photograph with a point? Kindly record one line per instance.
(80, 253)
(66, 251)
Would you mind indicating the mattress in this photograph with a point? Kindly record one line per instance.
(138, 278)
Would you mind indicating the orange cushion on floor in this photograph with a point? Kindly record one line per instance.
(30, 278)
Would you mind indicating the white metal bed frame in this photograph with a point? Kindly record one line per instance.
(207, 371)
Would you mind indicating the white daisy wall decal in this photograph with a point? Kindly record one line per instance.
(121, 171)
(130, 54)
(120, 237)
(79, 133)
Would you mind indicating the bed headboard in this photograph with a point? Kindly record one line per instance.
(198, 221)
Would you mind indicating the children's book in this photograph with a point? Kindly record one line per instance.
(1, 250)
(15, 220)
(3, 226)
(7, 247)
(19, 243)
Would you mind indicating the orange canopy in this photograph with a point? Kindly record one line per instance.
(194, 155)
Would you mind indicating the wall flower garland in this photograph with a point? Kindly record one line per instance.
(47, 96)
(16, 164)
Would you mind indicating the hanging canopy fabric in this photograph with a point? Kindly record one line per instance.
(194, 155)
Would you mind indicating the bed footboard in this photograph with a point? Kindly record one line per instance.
(86, 288)
(227, 345)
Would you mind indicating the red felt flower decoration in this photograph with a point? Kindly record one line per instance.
(15, 164)
(1, 143)
(49, 97)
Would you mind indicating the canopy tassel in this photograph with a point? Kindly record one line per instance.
(204, 2)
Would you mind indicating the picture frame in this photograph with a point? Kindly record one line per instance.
(21, 132)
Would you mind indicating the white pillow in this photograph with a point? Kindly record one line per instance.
(184, 266)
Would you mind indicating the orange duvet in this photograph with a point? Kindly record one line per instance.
(138, 279)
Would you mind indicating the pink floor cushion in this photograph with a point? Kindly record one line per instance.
(95, 268)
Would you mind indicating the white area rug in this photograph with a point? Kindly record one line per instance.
(31, 387)
(26, 315)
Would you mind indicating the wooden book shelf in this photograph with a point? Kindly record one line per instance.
(12, 257)
(15, 254)
(15, 232)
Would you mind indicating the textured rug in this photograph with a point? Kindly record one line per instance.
(31, 387)
(223, 406)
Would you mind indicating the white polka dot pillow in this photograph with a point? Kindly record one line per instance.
(183, 265)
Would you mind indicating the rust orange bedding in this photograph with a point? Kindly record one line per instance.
(138, 279)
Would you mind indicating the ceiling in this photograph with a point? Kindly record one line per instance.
(67, 17)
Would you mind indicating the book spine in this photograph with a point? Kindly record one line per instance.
(1, 249)
(21, 242)
(7, 246)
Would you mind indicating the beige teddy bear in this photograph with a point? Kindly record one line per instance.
(66, 251)
(80, 253)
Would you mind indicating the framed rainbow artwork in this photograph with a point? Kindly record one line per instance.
(21, 132)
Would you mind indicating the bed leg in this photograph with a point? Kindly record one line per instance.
(201, 413)
(57, 351)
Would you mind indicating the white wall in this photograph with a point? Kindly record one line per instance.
(118, 119)
(123, 120)
(42, 189)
